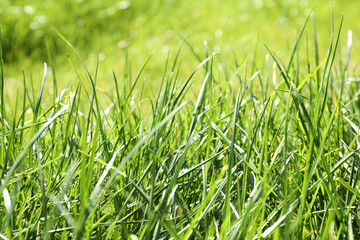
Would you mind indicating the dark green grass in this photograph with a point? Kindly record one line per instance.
(254, 153)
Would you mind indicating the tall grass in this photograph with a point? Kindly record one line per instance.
(258, 153)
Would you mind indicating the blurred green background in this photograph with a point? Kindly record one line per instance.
(138, 27)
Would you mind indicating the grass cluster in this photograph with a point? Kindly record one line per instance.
(260, 152)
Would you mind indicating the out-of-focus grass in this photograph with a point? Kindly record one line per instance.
(139, 27)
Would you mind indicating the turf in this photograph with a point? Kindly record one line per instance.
(252, 151)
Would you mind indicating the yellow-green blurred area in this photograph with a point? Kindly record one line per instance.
(138, 27)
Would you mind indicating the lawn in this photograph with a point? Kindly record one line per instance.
(169, 120)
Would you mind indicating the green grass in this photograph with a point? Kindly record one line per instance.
(138, 27)
(258, 151)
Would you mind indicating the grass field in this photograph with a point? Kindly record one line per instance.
(199, 142)
(138, 27)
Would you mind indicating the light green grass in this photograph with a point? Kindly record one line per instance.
(140, 26)
(258, 151)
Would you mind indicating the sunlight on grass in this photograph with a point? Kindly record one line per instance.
(252, 134)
